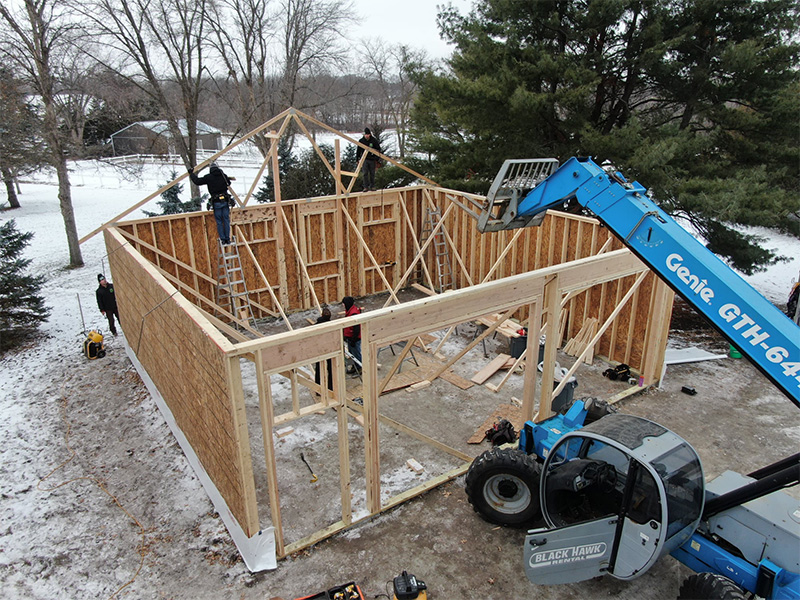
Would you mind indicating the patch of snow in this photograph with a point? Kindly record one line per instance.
(31, 380)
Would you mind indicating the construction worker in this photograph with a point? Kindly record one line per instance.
(372, 161)
(791, 304)
(220, 201)
(107, 302)
(324, 317)
(352, 335)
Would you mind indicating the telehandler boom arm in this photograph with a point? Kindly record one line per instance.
(747, 319)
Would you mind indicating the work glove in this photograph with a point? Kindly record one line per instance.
(209, 206)
(231, 202)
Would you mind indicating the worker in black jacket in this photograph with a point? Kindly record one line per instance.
(107, 302)
(372, 161)
(220, 201)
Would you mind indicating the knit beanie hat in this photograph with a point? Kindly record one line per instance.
(100, 277)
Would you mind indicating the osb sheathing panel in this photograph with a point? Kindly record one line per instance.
(187, 366)
(382, 225)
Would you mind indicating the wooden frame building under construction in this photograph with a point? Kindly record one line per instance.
(195, 313)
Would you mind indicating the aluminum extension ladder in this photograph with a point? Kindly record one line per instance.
(231, 287)
(442, 253)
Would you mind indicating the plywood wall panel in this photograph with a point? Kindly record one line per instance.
(381, 223)
(188, 366)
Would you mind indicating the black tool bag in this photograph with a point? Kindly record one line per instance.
(501, 433)
(621, 372)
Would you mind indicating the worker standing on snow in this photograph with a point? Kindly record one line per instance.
(107, 302)
(372, 161)
(221, 201)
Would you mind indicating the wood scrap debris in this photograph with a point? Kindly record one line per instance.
(486, 372)
(577, 345)
(418, 386)
(284, 432)
(507, 328)
(414, 466)
(456, 379)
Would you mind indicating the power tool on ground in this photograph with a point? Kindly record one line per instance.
(408, 587)
(93, 346)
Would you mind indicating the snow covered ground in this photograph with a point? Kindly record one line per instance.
(32, 380)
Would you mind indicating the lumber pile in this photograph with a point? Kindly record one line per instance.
(578, 344)
(507, 328)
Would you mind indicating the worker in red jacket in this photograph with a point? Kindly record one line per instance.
(352, 335)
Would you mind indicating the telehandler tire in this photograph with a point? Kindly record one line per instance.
(709, 586)
(503, 487)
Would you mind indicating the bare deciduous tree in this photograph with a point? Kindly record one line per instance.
(243, 36)
(393, 67)
(312, 41)
(36, 43)
(272, 49)
(157, 46)
(21, 147)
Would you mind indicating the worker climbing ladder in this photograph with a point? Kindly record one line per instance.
(442, 253)
(231, 288)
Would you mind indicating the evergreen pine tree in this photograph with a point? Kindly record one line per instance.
(171, 204)
(21, 308)
(697, 100)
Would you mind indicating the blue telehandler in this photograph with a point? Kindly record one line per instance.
(616, 491)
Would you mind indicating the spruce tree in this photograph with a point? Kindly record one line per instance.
(171, 204)
(22, 309)
(697, 100)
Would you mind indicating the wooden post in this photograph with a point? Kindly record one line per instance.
(267, 423)
(552, 304)
(338, 171)
(244, 465)
(279, 218)
(340, 388)
(369, 373)
(657, 332)
(531, 361)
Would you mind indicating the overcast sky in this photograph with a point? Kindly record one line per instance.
(411, 22)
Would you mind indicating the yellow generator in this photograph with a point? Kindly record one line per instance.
(93, 345)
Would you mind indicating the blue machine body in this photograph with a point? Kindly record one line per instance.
(540, 437)
(748, 320)
(701, 556)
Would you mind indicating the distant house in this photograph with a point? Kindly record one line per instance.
(154, 137)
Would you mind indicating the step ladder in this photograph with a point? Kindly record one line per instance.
(231, 288)
(440, 249)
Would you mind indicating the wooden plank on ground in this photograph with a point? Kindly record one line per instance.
(456, 379)
(497, 362)
(509, 412)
